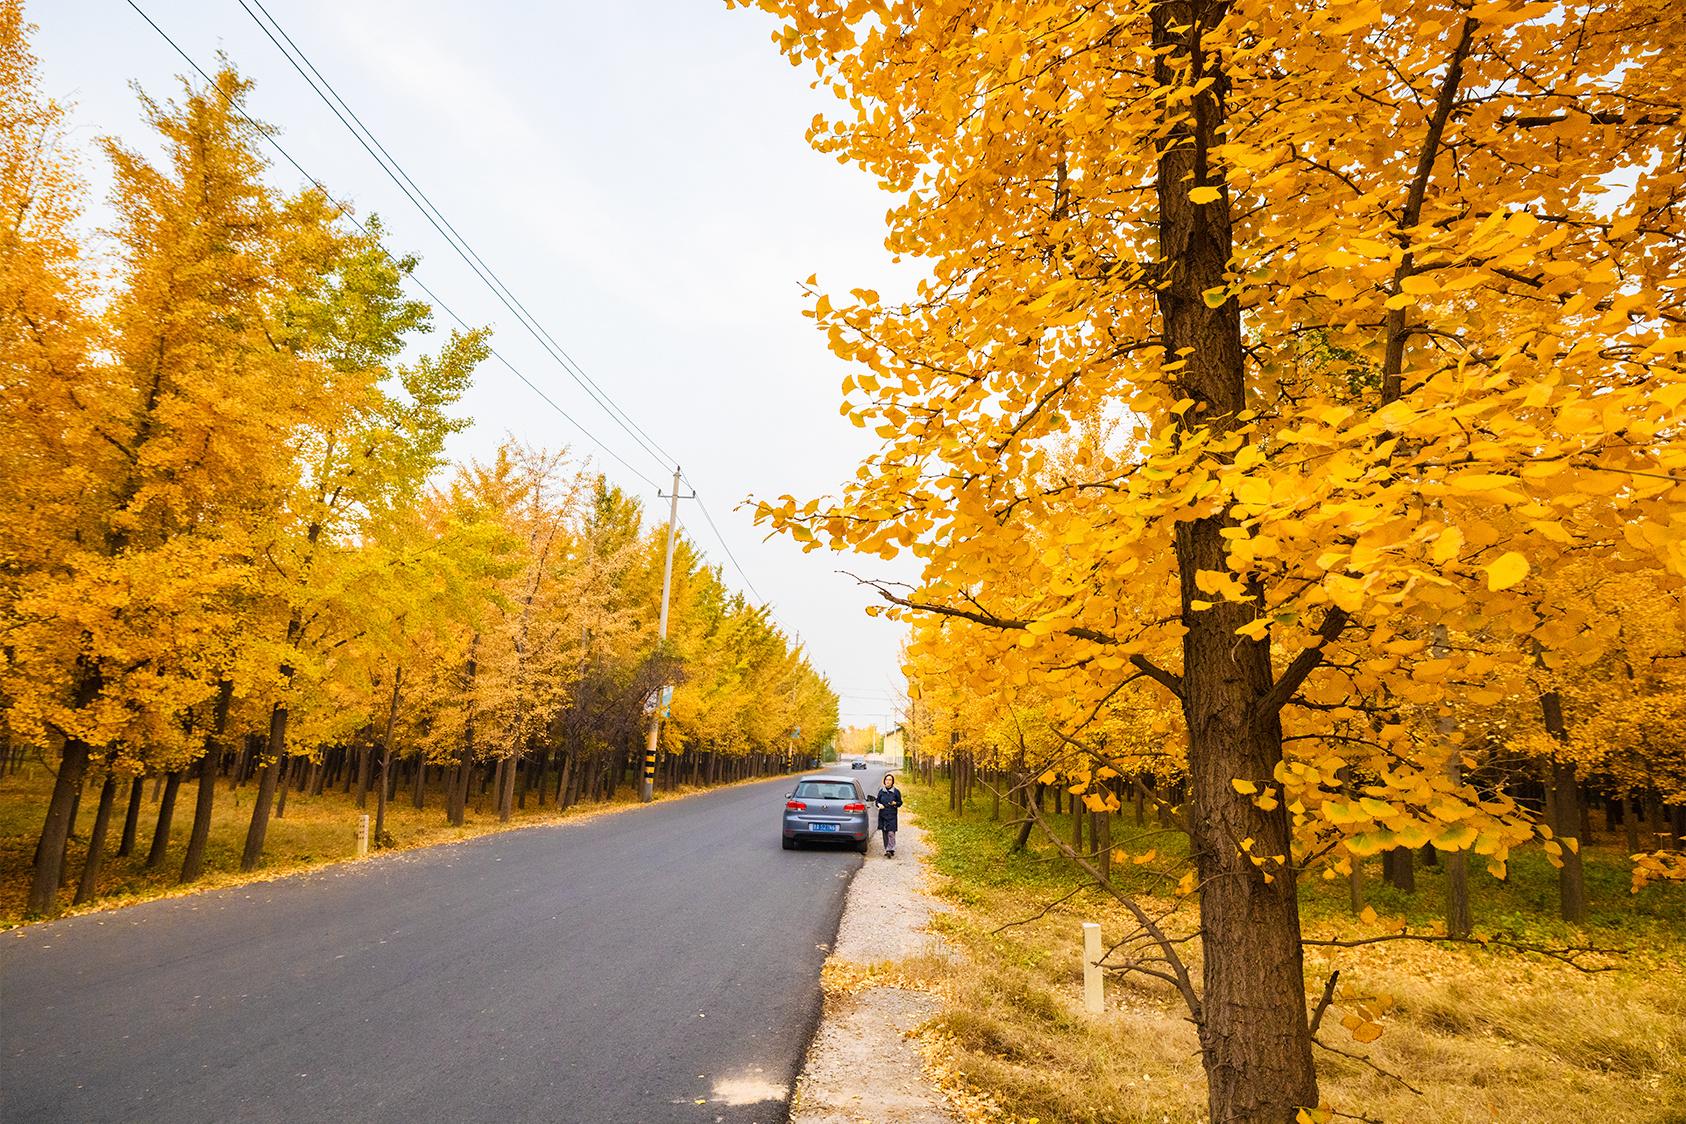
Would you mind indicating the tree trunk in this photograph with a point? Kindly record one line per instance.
(1563, 813)
(1459, 921)
(1571, 877)
(506, 797)
(1402, 871)
(1022, 840)
(565, 783)
(252, 855)
(1254, 1034)
(456, 806)
(64, 861)
(364, 753)
(96, 840)
(386, 758)
(166, 814)
(238, 776)
(535, 780)
(55, 832)
(131, 818)
(193, 863)
(282, 785)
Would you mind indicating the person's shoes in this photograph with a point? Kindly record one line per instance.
(889, 854)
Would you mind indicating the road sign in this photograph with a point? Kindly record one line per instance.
(659, 700)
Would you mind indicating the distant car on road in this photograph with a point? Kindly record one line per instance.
(826, 808)
(857, 764)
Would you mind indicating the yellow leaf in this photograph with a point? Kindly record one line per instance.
(1368, 916)
(1506, 570)
(1419, 284)
(1245, 788)
(1447, 544)
(1203, 195)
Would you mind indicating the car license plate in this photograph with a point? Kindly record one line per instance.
(824, 826)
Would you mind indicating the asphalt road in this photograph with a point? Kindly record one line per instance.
(660, 964)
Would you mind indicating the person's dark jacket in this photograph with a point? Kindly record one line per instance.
(888, 800)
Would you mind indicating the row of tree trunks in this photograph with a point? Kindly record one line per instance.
(701, 767)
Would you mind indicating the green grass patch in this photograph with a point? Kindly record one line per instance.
(1485, 1034)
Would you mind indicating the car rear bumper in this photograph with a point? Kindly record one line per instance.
(854, 833)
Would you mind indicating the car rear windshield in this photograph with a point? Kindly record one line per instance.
(826, 790)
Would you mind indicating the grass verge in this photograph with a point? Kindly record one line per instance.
(1484, 1036)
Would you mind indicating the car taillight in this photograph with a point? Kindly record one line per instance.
(854, 807)
(798, 806)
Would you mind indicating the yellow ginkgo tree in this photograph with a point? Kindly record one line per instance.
(1386, 303)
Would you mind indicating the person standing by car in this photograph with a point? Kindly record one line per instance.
(889, 798)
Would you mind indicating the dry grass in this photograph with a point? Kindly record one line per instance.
(314, 832)
(1485, 1036)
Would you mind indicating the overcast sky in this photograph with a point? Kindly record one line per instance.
(636, 173)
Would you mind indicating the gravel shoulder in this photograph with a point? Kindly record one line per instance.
(862, 1065)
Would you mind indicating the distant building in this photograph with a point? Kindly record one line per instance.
(894, 751)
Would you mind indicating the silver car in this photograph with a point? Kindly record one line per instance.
(823, 807)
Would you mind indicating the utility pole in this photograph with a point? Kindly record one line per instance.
(647, 791)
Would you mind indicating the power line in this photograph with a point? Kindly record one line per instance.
(330, 97)
(346, 211)
(722, 540)
(371, 144)
(365, 137)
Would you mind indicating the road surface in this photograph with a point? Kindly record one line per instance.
(659, 964)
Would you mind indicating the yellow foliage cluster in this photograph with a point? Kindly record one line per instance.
(227, 509)
(1464, 382)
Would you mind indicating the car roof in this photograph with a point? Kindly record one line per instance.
(825, 778)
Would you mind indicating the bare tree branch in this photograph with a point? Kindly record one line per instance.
(1569, 955)
(1044, 911)
(1323, 1003)
(1167, 679)
(1305, 663)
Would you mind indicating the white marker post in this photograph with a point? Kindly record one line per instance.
(1093, 1000)
(363, 841)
